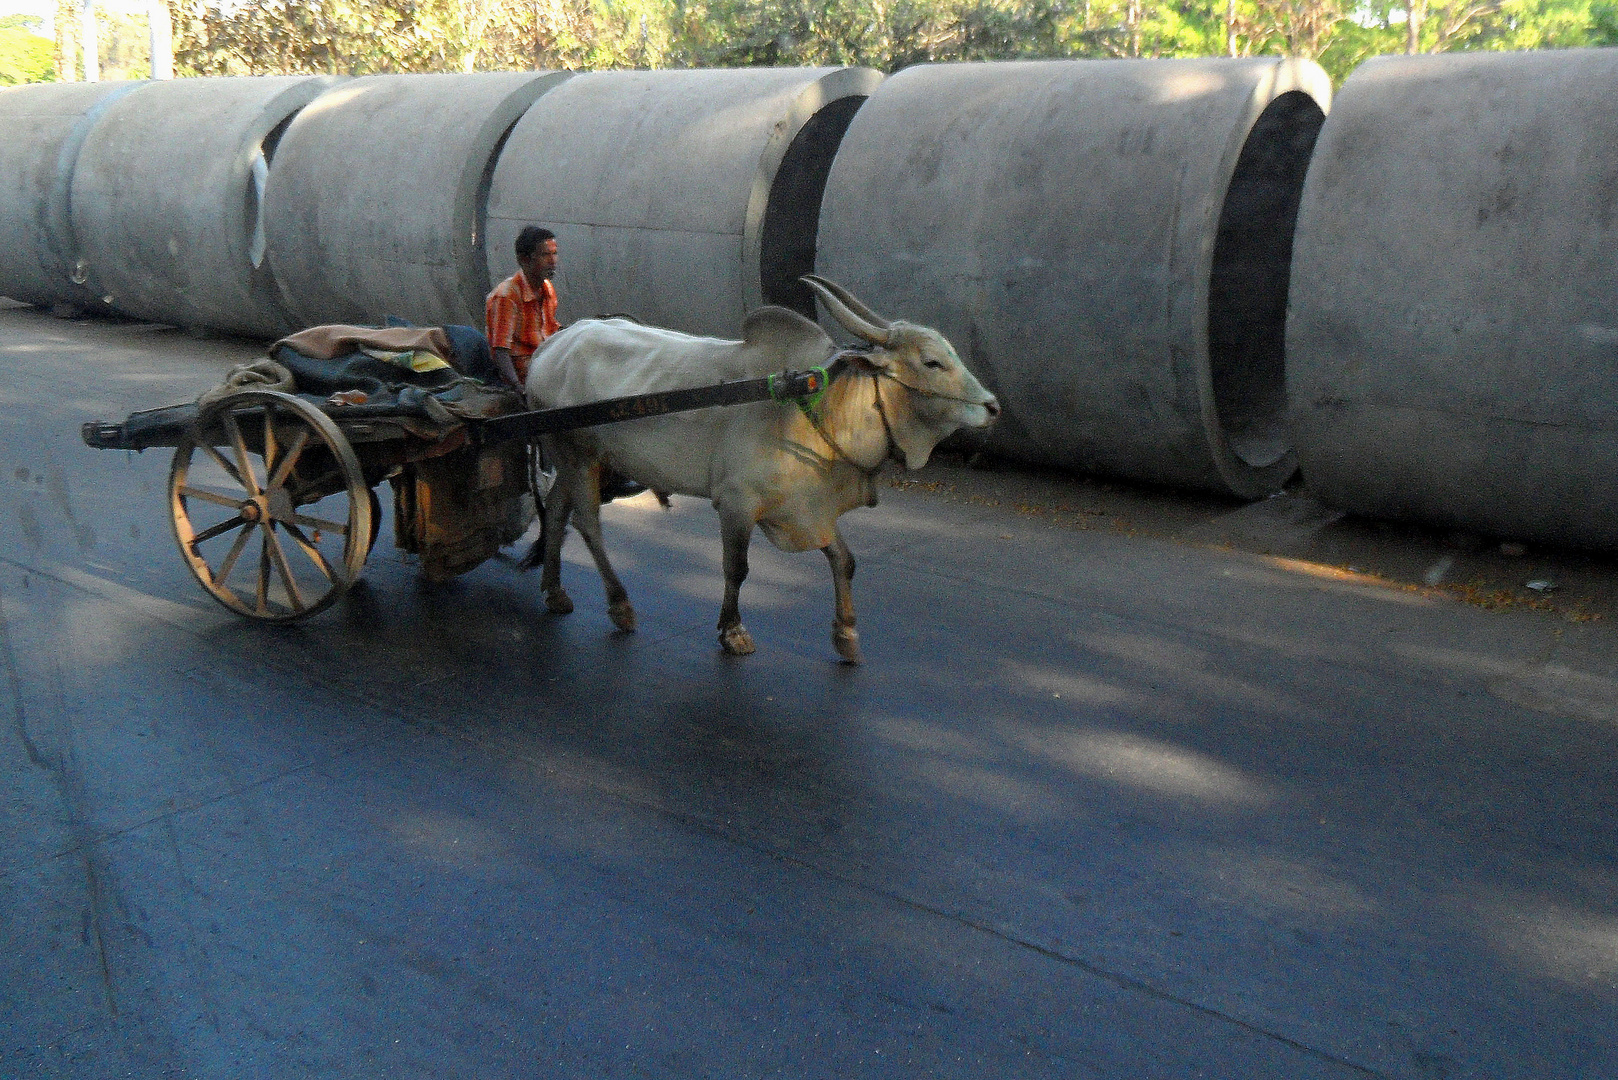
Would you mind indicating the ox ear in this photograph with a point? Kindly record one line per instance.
(869, 362)
(787, 337)
(854, 316)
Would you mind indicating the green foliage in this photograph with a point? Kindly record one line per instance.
(124, 45)
(1536, 24)
(1603, 23)
(258, 37)
(25, 57)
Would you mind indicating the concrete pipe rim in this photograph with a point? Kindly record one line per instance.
(826, 92)
(1244, 282)
(241, 200)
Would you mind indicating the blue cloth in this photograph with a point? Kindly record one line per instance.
(472, 355)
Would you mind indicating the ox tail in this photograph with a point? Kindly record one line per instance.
(536, 487)
(535, 555)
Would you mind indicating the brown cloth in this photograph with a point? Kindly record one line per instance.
(330, 342)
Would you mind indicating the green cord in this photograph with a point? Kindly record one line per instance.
(808, 403)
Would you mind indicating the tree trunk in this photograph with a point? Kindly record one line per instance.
(91, 45)
(160, 38)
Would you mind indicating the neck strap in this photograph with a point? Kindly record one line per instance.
(841, 365)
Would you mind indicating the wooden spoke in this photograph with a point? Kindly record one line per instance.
(218, 530)
(219, 459)
(289, 458)
(234, 430)
(309, 549)
(262, 595)
(270, 448)
(320, 523)
(235, 553)
(215, 497)
(278, 557)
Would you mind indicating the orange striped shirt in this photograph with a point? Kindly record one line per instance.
(519, 319)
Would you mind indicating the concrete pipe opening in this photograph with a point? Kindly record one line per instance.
(253, 191)
(684, 198)
(1104, 241)
(787, 246)
(1247, 293)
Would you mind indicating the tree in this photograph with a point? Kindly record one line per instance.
(243, 37)
(1432, 27)
(1300, 27)
(124, 44)
(261, 37)
(25, 56)
(1603, 23)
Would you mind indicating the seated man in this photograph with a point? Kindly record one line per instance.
(520, 312)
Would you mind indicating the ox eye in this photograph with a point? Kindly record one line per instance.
(934, 364)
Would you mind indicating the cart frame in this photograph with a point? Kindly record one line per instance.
(299, 473)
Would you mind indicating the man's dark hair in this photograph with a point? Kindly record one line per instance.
(530, 238)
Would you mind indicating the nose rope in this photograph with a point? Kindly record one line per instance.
(861, 354)
(929, 393)
(839, 363)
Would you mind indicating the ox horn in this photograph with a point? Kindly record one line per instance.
(847, 298)
(855, 316)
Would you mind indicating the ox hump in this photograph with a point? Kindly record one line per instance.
(786, 338)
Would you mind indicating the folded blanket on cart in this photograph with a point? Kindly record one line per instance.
(366, 358)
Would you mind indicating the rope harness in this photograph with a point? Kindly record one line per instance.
(809, 406)
(838, 364)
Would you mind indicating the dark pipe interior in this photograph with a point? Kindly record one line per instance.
(792, 217)
(1247, 297)
(273, 139)
(265, 286)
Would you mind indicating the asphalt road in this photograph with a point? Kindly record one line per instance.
(1100, 803)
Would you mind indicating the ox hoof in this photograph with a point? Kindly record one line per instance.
(846, 640)
(558, 602)
(736, 641)
(622, 615)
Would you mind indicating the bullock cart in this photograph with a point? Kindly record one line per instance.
(272, 494)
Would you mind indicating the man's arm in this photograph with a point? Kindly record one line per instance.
(507, 370)
(500, 317)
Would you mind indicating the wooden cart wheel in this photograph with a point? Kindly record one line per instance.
(270, 507)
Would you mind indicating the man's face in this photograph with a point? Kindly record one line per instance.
(541, 265)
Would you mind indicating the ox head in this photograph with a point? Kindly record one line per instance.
(939, 394)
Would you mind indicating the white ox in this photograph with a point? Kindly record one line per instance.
(765, 464)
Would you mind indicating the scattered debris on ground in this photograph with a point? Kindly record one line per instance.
(1492, 574)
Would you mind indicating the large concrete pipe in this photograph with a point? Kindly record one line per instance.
(684, 198)
(1106, 242)
(1453, 341)
(375, 204)
(42, 129)
(167, 198)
